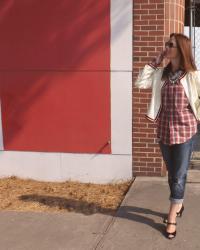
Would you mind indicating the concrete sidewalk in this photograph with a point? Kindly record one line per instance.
(136, 225)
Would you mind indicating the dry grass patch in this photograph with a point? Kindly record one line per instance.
(29, 195)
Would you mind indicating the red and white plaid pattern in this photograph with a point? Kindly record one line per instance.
(176, 123)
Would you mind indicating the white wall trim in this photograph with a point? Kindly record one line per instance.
(121, 35)
(101, 168)
(121, 112)
(121, 76)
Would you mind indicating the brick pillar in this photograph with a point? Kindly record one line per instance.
(153, 21)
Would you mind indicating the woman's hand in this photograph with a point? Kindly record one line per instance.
(158, 60)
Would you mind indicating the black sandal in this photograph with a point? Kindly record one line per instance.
(172, 235)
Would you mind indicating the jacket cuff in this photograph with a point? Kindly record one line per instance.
(153, 65)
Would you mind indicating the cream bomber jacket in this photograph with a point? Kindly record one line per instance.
(150, 77)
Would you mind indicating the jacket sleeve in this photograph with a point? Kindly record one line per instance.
(197, 81)
(145, 77)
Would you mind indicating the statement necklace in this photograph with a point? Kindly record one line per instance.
(173, 77)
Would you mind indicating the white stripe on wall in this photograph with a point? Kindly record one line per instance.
(121, 76)
(92, 168)
(95, 168)
(121, 35)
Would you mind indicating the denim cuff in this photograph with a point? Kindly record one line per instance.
(176, 201)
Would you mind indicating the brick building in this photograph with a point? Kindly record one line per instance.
(153, 21)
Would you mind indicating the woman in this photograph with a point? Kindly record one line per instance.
(175, 107)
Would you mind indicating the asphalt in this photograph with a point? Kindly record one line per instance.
(136, 225)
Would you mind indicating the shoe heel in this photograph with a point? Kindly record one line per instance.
(179, 214)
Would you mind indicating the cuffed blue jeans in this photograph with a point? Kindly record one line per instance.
(177, 158)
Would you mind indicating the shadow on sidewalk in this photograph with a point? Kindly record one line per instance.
(71, 205)
(126, 212)
(138, 214)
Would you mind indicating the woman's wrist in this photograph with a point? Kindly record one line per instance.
(158, 60)
(153, 63)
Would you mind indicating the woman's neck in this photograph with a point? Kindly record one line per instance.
(175, 64)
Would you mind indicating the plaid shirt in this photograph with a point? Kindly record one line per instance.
(176, 122)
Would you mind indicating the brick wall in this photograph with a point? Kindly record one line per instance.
(153, 21)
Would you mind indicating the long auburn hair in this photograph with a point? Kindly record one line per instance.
(187, 62)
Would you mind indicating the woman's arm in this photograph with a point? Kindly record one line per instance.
(145, 76)
(196, 79)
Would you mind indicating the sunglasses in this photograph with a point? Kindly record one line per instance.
(170, 45)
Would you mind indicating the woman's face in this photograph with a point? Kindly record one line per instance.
(171, 50)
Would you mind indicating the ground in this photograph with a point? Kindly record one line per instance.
(29, 195)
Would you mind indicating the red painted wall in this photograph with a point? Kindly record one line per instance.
(55, 75)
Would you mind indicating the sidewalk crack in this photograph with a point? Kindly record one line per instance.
(104, 233)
